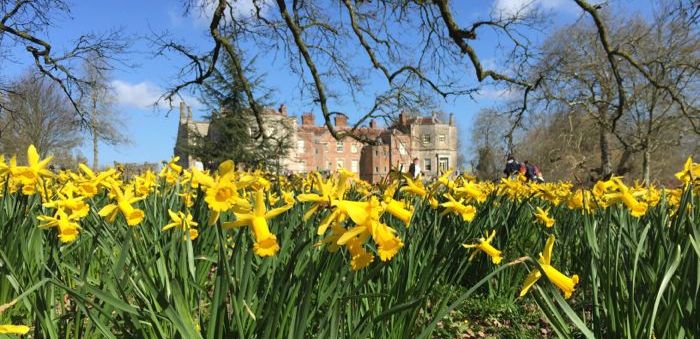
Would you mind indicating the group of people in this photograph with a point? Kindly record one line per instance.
(530, 171)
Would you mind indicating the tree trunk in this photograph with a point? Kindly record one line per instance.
(622, 167)
(605, 164)
(95, 151)
(646, 167)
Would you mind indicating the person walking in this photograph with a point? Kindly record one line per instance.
(512, 166)
(529, 171)
(538, 175)
(414, 168)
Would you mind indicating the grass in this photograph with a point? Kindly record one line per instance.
(484, 317)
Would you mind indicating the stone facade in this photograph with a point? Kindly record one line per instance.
(276, 126)
(433, 142)
(429, 139)
(186, 131)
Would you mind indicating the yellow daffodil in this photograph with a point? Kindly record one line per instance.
(124, 202)
(321, 199)
(564, 283)
(470, 190)
(366, 217)
(444, 180)
(485, 246)
(360, 257)
(184, 222)
(467, 212)
(543, 216)
(14, 329)
(398, 209)
(188, 198)
(337, 230)
(4, 167)
(145, 183)
(223, 196)
(265, 242)
(690, 172)
(623, 194)
(67, 227)
(90, 182)
(414, 187)
(35, 168)
(67, 201)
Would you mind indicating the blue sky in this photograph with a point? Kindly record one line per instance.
(152, 131)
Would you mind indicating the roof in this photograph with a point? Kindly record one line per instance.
(320, 130)
(431, 120)
(201, 127)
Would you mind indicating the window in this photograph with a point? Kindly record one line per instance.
(339, 164)
(300, 146)
(376, 152)
(444, 163)
(354, 166)
(402, 149)
(376, 169)
(339, 147)
(426, 138)
(353, 148)
(441, 138)
(428, 165)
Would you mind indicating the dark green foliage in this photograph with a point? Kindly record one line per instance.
(233, 131)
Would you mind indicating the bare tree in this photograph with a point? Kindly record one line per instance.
(488, 143)
(38, 114)
(320, 40)
(23, 23)
(106, 123)
(645, 88)
(668, 50)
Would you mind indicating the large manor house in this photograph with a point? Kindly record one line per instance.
(432, 141)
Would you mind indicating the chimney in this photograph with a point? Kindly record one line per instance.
(183, 113)
(283, 110)
(189, 113)
(372, 124)
(341, 120)
(307, 119)
(452, 119)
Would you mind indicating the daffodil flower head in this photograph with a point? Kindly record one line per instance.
(543, 216)
(256, 218)
(12, 329)
(67, 227)
(366, 216)
(467, 212)
(565, 284)
(124, 200)
(485, 246)
(184, 222)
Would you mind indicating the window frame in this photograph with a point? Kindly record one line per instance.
(339, 146)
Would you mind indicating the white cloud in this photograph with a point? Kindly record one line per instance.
(510, 7)
(144, 95)
(204, 9)
(498, 94)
